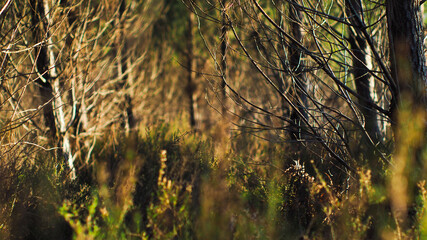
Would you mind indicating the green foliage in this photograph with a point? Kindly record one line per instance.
(31, 192)
(144, 188)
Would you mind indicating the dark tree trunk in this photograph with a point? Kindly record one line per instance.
(406, 52)
(361, 74)
(42, 66)
(296, 65)
(408, 72)
(122, 70)
(45, 63)
(190, 66)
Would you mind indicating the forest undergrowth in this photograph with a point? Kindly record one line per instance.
(164, 183)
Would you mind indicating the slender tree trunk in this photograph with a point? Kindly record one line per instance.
(45, 61)
(224, 69)
(76, 105)
(296, 65)
(191, 67)
(281, 49)
(122, 70)
(64, 138)
(362, 77)
(42, 67)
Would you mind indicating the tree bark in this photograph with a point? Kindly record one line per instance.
(42, 67)
(45, 63)
(191, 68)
(296, 64)
(409, 96)
(362, 77)
(407, 60)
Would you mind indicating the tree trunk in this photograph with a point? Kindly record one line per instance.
(281, 49)
(42, 67)
(45, 63)
(122, 70)
(296, 65)
(409, 96)
(191, 67)
(224, 69)
(406, 51)
(362, 77)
